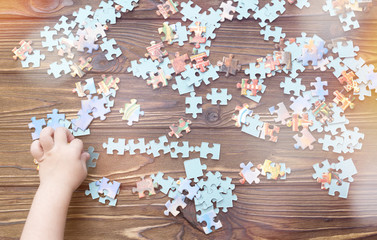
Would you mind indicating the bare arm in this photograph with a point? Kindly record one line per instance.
(62, 168)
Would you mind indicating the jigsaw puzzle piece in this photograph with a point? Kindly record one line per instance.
(155, 148)
(93, 156)
(183, 148)
(194, 169)
(145, 185)
(221, 96)
(120, 146)
(38, 126)
(205, 150)
(55, 119)
(193, 101)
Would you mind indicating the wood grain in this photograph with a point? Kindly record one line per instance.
(291, 209)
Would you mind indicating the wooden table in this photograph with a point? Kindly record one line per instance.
(291, 209)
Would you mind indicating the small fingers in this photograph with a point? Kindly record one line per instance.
(62, 135)
(46, 139)
(77, 145)
(36, 150)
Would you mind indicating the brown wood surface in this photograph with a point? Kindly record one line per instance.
(291, 209)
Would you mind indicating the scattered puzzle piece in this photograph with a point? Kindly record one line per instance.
(131, 112)
(221, 96)
(25, 47)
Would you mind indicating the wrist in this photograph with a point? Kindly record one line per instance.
(62, 192)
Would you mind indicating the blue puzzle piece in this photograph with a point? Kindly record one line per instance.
(194, 169)
(55, 119)
(38, 126)
(292, 86)
(193, 101)
(276, 33)
(155, 148)
(341, 189)
(183, 148)
(205, 150)
(182, 86)
(252, 125)
(107, 45)
(93, 156)
(221, 96)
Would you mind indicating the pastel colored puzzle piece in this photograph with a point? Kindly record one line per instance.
(252, 125)
(155, 148)
(56, 68)
(347, 168)
(348, 21)
(49, 42)
(34, 58)
(209, 218)
(319, 91)
(111, 187)
(276, 33)
(172, 205)
(38, 126)
(342, 189)
(305, 141)
(55, 119)
(108, 45)
(141, 146)
(292, 85)
(282, 113)
(193, 101)
(144, 185)
(194, 169)
(25, 47)
(248, 174)
(110, 146)
(243, 112)
(131, 112)
(205, 150)
(184, 148)
(93, 156)
(166, 184)
(221, 96)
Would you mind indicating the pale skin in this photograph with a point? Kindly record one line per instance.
(62, 169)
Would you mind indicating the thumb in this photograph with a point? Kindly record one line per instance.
(84, 156)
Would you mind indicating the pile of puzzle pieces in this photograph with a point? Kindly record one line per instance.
(209, 195)
(154, 148)
(274, 171)
(333, 176)
(104, 190)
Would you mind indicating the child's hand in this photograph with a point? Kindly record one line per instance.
(62, 161)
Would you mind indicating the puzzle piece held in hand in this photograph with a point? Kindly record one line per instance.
(93, 156)
(55, 119)
(38, 126)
